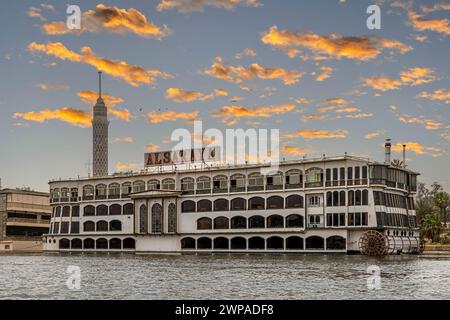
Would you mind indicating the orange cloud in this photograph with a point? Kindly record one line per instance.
(326, 73)
(90, 98)
(372, 135)
(198, 5)
(435, 7)
(151, 147)
(238, 74)
(302, 101)
(232, 114)
(359, 115)
(247, 52)
(123, 139)
(295, 151)
(438, 95)
(418, 148)
(332, 46)
(182, 96)
(410, 77)
(75, 117)
(133, 74)
(122, 166)
(422, 24)
(113, 19)
(429, 124)
(52, 86)
(172, 116)
(318, 134)
(314, 117)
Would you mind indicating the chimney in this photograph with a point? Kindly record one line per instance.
(404, 156)
(387, 152)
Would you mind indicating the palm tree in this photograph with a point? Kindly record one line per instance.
(431, 227)
(442, 201)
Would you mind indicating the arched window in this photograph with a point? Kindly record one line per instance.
(115, 225)
(115, 243)
(76, 244)
(114, 191)
(204, 224)
(315, 243)
(294, 201)
(204, 243)
(256, 203)
(168, 184)
(188, 243)
(275, 221)
(138, 186)
(237, 183)
(275, 243)
(115, 210)
(275, 202)
(89, 211)
(74, 195)
(128, 209)
(221, 205)
(89, 243)
(126, 189)
(221, 243)
(238, 204)
(294, 221)
(342, 198)
(357, 197)
(64, 244)
(64, 195)
(187, 185)
(221, 223)
(153, 184)
(88, 192)
(203, 185)
(102, 210)
(66, 211)
(335, 199)
(156, 218)
(75, 211)
(143, 219)
(129, 243)
(100, 192)
(314, 177)
(89, 226)
(336, 243)
(204, 206)
(294, 179)
(58, 212)
(294, 243)
(256, 243)
(172, 218)
(102, 226)
(275, 181)
(256, 222)
(101, 243)
(238, 243)
(351, 198)
(220, 184)
(329, 199)
(255, 182)
(238, 223)
(188, 206)
(365, 198)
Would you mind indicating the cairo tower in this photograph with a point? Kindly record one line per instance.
(100, 126)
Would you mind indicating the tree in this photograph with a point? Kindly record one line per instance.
(442, 201)
(431, 227)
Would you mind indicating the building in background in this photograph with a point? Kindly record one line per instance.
(24, 218)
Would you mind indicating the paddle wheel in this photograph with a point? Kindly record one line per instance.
(373, 243)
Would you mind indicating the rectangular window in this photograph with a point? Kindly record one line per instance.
(65, 227)
(75, 227)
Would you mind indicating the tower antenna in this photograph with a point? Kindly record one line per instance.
(100, 84)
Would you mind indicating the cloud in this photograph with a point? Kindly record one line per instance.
(75, 117)
(133, 74)
(172, 116)
(182, 96)
(359, 115)
(232, 114)
(35, 12)
(295, 151)
(319, 134)
(247, 52)
(126, 139)
(112, 19)
(331, 46)
(122, 166)
(422, 24)
(302, 101)
(435, 7)
(90, 98)
(238, 74)
(185, 6)
(429, 124)
(151, 147)
(52, 86)
(438, 95)
(410, 77)
(326, 73)
(372, 135)
(418, 148)
(314, 117)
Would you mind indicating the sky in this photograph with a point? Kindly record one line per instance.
(312, 69)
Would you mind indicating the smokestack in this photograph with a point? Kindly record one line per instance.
(404, 156)
(387, 152)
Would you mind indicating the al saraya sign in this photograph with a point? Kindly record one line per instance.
(185, 156)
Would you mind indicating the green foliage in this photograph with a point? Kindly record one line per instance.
(431, 227)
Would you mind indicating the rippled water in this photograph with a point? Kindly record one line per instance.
(222, 277)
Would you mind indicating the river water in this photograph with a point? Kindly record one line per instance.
(224, 277)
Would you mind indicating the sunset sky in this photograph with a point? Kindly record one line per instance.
(309, 68)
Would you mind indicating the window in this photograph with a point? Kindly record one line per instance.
(126, 189)
(336, 243)
(221, 243)
(221, 205)
(188, 206)
(220, 184)
(204, 224)
(102, 210)
(66, 211)
(364, 172)
(115, 209)
(115, 225)
(365, 197)
(335, 219)
(187, 185)
(89, 226)
(168, 184)
(156, 218)
(188, 243)
(75, 227)
(172, 218)
(154, 185)
(342, 198)
(89, 211)
(138, 186)
(143, 219)
(74, 194)
(114, 191)
(294, 243)
(275, 202)
(238, 223)
(238, 204)
(75, 211)
(255, 182)
(221, 223)
(294, 201)
(314, 177)
(204, 185)
(357, 219)
(275, 181)
(88, 193)
(100, 191)
(315, 243)
(275, 221)
(256, 203)
(204, 206)
(128, 209)
(102, 226)
(294, 221)
(314, 201)
(237, 183)
(314, 221)
(204, 243)
(255, 222)
(349, 173)
(357, 197)
(294, 179)
(65, 227)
